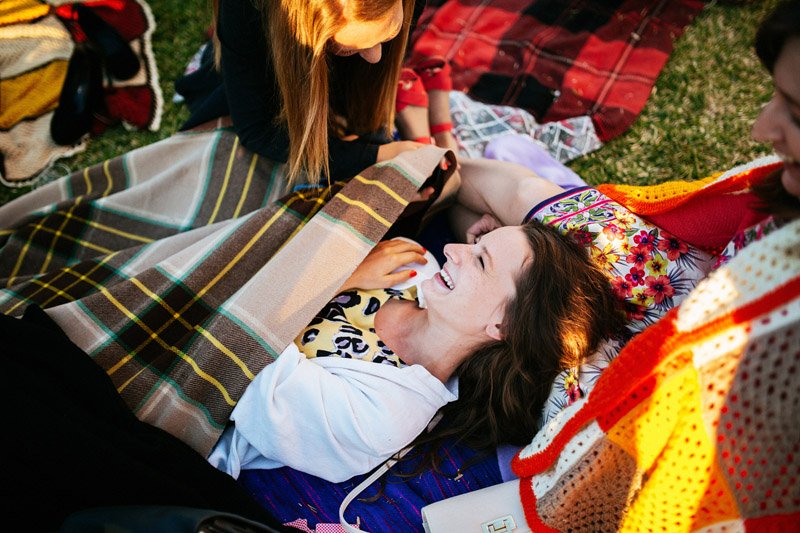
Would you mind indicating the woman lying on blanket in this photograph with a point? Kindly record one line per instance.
(504, 315)
(648, 269)
(651, 270)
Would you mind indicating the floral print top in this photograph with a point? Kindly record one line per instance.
(650, 270)
(345, 327)
(743, 238)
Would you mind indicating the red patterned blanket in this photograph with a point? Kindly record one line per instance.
(557, 59)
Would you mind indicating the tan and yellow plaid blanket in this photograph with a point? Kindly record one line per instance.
(175, 271)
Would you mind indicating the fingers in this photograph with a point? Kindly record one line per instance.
(406, 258)
(399, 277)
(380, 269)
(393, 149)
(423, 195)
(482, 226)
(407, 252)
(399, 253)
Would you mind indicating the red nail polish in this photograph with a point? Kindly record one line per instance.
(424, 250)
(412, 273)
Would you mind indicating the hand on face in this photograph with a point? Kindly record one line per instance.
(484, 225)
(377, 270)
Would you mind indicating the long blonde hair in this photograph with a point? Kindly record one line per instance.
(297, 32)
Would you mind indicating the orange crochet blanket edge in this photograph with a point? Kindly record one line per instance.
(657, 199)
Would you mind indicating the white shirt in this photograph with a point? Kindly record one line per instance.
(331, 417)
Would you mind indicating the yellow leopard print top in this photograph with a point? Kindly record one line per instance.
(346, 327)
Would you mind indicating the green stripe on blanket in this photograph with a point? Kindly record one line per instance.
(163, 265)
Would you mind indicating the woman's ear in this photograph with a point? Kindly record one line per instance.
(493, 330)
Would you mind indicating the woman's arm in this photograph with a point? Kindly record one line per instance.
(502, 189)
(247, 74)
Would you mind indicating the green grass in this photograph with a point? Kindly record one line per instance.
(696, 122)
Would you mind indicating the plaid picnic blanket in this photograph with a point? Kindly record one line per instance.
(693, 427)
(36, 43)
(557, 59)
(174, 271)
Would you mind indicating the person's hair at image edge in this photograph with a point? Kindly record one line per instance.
(302, 68)
(562, 310)
(778, 28)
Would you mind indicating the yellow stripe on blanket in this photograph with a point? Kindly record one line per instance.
(32, 94)
(18, 11)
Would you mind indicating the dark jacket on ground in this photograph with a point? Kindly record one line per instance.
(77, 445)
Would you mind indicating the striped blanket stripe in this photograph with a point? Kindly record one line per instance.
(182, 276)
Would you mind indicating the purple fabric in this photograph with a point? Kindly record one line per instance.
(289, 494)
(525, 151)
(505, 453)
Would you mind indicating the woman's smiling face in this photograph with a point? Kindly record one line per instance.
(477, 281)
(779, 121)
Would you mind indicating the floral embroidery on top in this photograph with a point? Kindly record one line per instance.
(650, 270)
(572, 387)
(743, 238)
(345, 327)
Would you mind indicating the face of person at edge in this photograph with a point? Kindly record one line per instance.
(469, 294)
(779, 121)
(365, 38)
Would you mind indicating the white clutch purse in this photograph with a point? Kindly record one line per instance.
(495, 509)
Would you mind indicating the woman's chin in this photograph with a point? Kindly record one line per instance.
(790, 178)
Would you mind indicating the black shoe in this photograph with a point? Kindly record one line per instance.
(120, 61)
(81, 94)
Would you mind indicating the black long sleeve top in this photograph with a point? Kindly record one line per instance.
(250, 94)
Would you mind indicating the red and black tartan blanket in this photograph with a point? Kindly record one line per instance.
(557, 59)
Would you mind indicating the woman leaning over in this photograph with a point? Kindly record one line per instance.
(308, 82)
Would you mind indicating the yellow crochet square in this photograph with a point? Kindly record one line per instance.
(18, 11)
(684, 488)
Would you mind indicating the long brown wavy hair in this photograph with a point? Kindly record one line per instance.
(297, 32)
(563, 308)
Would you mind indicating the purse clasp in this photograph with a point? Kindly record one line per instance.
(504, 524)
